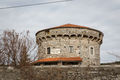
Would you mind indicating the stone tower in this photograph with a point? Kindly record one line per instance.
(70, 40)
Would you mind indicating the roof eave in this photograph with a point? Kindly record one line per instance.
(69, 27)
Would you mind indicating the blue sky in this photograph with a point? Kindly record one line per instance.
(103, 15)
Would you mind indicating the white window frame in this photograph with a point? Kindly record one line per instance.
(71, 49)
(91, 52)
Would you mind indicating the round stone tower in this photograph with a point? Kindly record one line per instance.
(70, 40)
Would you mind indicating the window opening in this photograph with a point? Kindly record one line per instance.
(92, 50)
(48, 50)
(71, 49)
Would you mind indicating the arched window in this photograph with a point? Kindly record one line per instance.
(92, 50)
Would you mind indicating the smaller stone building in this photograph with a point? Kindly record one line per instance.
(69, 44)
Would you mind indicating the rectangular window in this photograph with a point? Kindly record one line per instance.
(48, 50)
(71, 49)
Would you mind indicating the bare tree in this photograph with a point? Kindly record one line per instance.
(16, 48)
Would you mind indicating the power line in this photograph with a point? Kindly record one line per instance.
(113, 54)
(34, 4)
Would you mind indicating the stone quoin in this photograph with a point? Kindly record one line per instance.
(69, 44)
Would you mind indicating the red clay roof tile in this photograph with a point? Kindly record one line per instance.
(58, 59)
(70, 25)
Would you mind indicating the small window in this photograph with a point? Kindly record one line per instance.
(48, 50)
(92, 50)
(71, 49)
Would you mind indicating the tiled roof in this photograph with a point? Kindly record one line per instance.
(58, 59)
(70, 25)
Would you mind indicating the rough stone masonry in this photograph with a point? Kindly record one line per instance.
(61, 73)
(70, 41)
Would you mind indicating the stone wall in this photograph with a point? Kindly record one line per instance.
(59, 40)
(61, 73)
